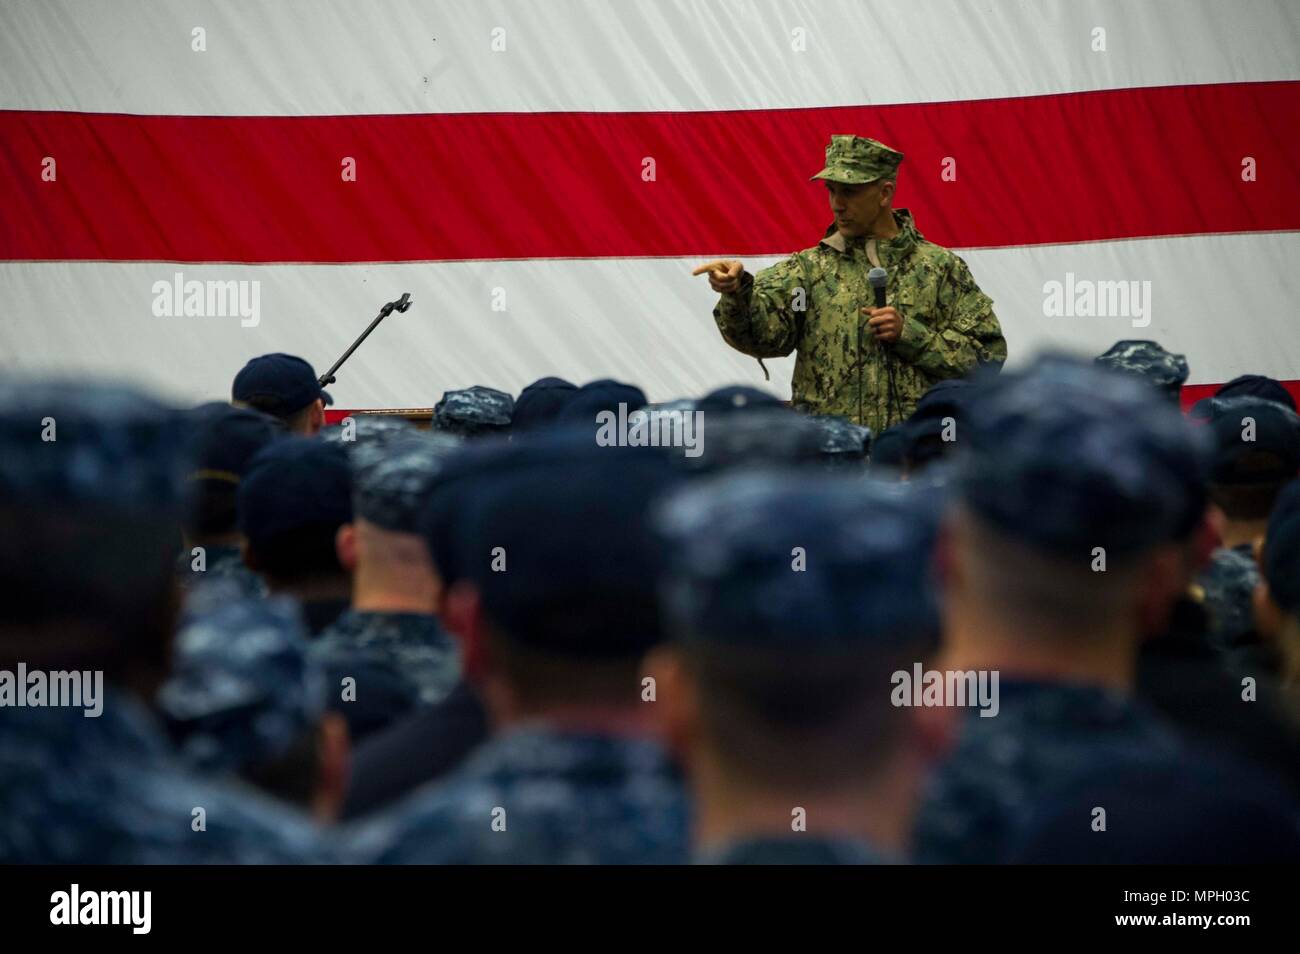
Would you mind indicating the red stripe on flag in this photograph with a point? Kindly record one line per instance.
(1048, 169)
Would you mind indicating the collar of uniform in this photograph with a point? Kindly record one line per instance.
(538, 749)
(891, 249)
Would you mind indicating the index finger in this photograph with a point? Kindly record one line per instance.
(718, 266)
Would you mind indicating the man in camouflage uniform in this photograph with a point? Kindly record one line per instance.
(1067, 464)
(389, 643)
(776, 683)
(865, 363)
(554, 612)
(91, 489)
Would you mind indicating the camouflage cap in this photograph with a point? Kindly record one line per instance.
(856, 160)
(363, 434)
(474, 412)
(865, 580)
(1148, 360)
(389, 488)
(243, 688)
(841, 439)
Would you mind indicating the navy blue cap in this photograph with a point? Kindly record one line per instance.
(948, 398)
(782, 560)
(68, 443)
(1257, 386)
(474, 412)
(738, 397)
(597, 396)
(243, 689)
(391, 487)
(540, 403)
(759, 437)
(1256, 441)
(1147, 360)
(1282, 549)
(295, 483)
(1068, 456)
(569, 520)
(227, 438)
(889, 448)
(279, 384)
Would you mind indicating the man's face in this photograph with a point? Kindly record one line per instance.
(856, 207)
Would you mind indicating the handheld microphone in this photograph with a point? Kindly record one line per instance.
(877, 276)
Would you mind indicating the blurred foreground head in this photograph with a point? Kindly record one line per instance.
(245, 698)
(92, 491)
(1081, 511)
(791, 599)
(549, 566)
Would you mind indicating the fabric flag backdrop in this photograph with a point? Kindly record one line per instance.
(542, 177)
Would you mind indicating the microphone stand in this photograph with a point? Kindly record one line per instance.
(400, 305)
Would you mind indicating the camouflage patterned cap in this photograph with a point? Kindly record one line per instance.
(389, 488)
(1147, 359)
(842, 441)
(856, 160)
(474, 412)
(243, 689)
(362, 434)
(733, 578)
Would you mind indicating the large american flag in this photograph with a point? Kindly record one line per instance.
(542, 177)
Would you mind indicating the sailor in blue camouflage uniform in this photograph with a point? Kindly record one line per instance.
(245, 699)
(1068, 543)
(389, 642)
(1148, 361)
(474, 412)
(1257, 451)
(777, 681)
(92, 482)
(225, 440)
(554, 635)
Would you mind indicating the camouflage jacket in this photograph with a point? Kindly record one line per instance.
(810, 303)
(110, 790)
(222, 562)
(538, 796)
(399, 660)
(1045, 741)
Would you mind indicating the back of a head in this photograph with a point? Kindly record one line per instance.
(244, 696)
(1067, 470)
(92, 490)
(291, 503)
(792, 598)
(1257, 386)
(225, 439)
(551, 532)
